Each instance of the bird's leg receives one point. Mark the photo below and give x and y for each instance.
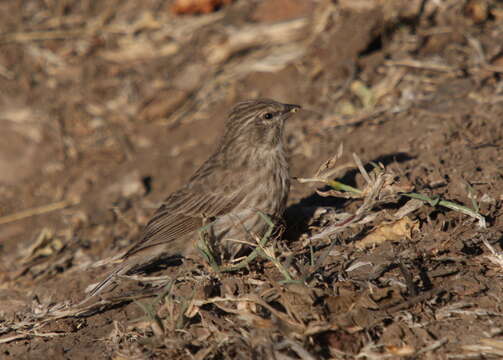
(258, 249)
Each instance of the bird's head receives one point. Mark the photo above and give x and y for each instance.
(258, 121)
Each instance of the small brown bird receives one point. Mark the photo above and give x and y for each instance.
(247, 174)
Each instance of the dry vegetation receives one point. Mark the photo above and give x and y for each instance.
(391, 248)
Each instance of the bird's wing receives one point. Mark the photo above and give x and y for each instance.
(184, 212)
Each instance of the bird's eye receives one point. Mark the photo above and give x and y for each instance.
(268, 116)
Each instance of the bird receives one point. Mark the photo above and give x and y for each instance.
(246, 176)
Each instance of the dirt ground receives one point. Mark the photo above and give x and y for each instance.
(107, 107)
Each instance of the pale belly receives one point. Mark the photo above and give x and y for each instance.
(251, 219)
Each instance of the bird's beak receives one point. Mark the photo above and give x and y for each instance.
(289, 108)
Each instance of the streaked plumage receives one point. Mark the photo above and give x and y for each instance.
(247, 173)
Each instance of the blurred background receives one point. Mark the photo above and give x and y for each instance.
(108, 106)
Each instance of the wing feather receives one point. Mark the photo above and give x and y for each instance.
(183, 213)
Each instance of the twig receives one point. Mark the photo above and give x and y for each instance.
(336, 185)
(495, 257)
(493, 68)
(253, 298)
(345, 121)
(421, 65)
(360, 166)
(375, 186)
(433, 346)
(29, 335)
(37, 211)
(297, 348)
(253, 36)
(44, 35)
(61, 311)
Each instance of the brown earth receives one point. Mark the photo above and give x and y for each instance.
(107, 107)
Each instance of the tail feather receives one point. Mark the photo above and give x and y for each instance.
(132, 264)
(122, 269)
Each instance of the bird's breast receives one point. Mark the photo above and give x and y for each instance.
(268, 186)
(265, 185)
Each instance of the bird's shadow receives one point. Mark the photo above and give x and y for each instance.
(298, 215)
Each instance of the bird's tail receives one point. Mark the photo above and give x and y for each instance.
(121, 269)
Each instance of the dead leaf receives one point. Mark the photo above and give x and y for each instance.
(395, 231)
(476, 10)
(192, 310)
(140, 48)
(327, 169)
(405, 350)
(409, 207)
(364, 93)
(181, 7)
